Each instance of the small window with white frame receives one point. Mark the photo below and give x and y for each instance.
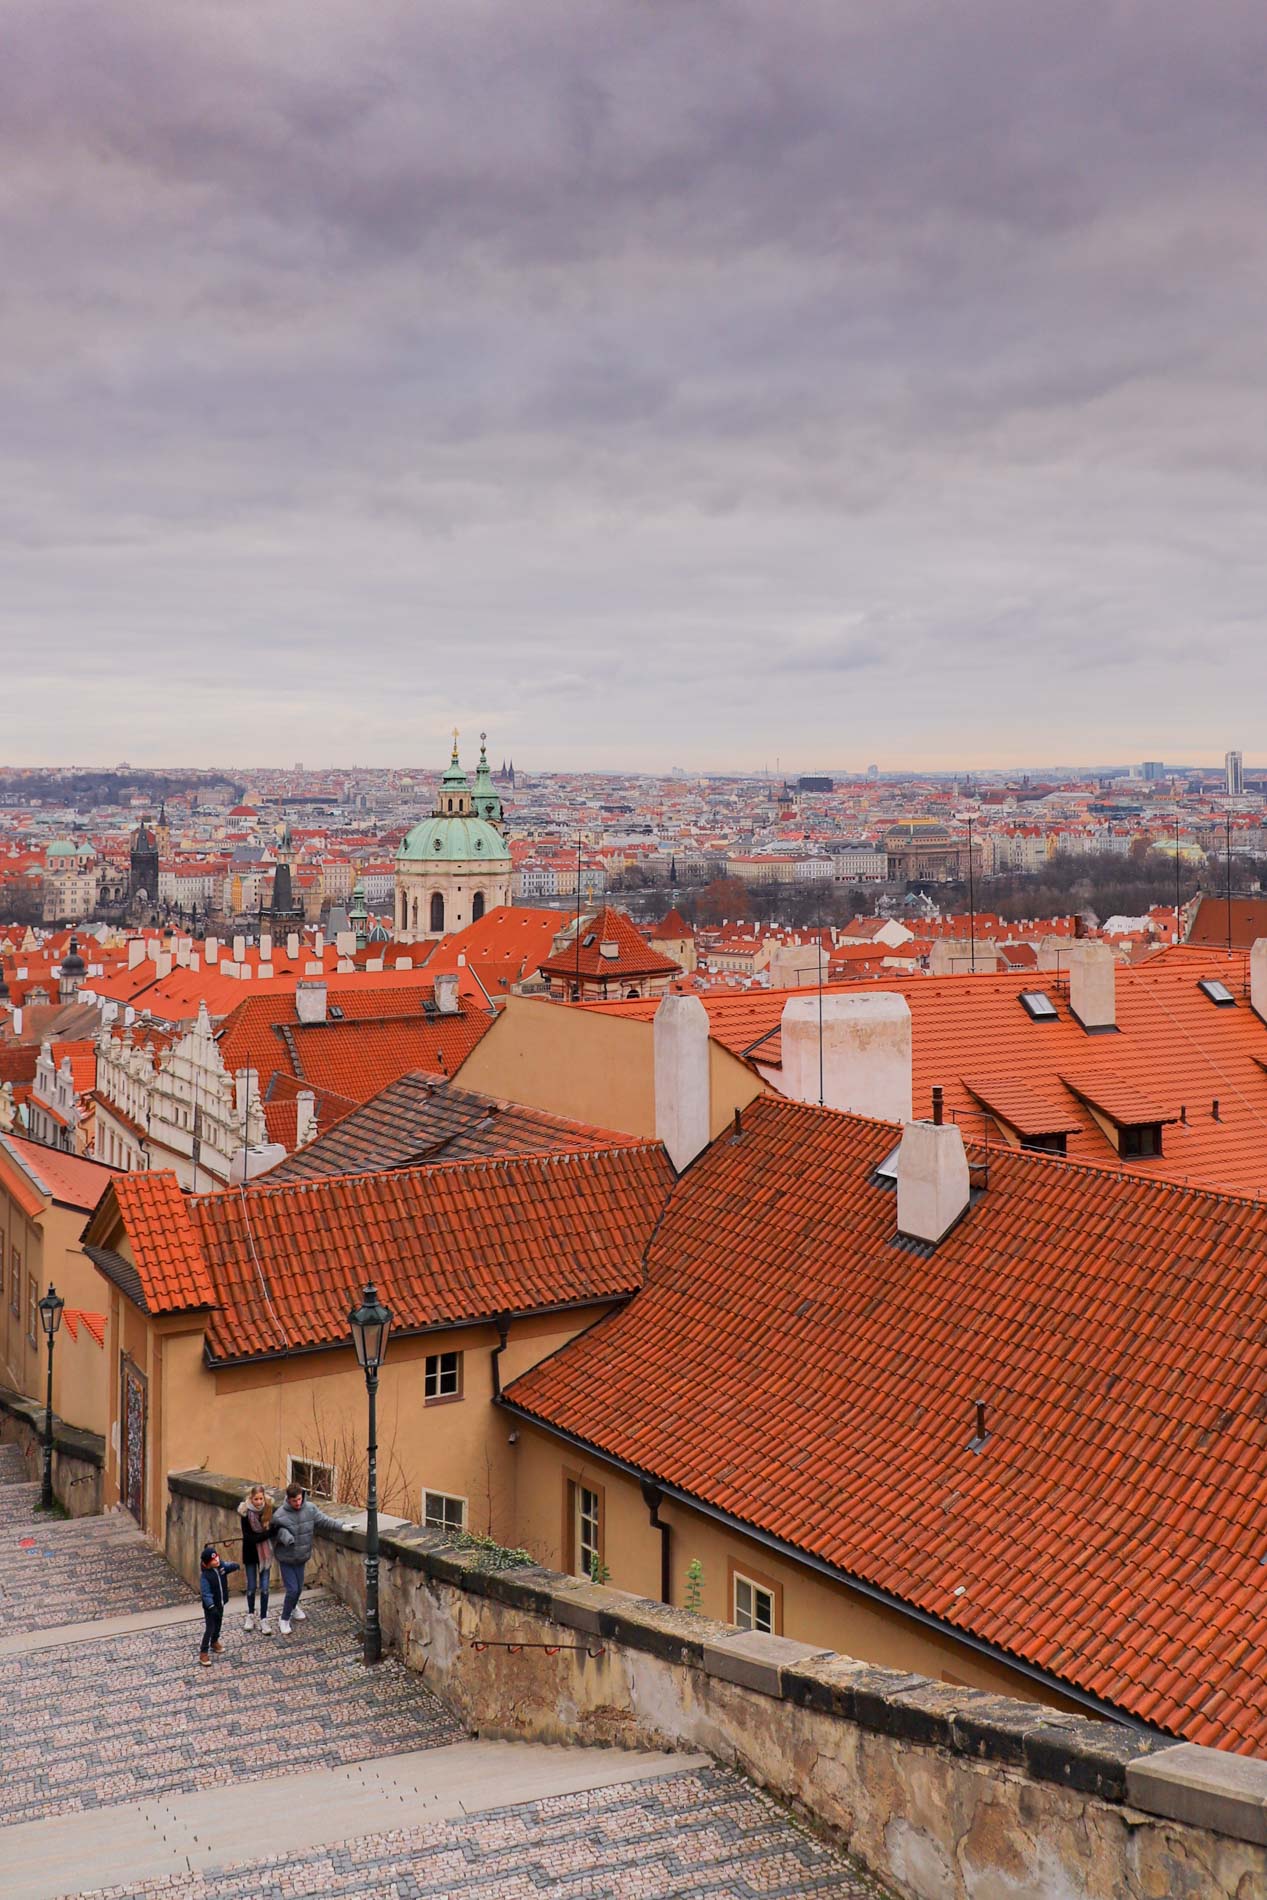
(441, 1512)
(442, 1377)
(754, 1605)
(316, 1478)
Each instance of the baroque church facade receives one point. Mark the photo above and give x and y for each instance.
(455, 865)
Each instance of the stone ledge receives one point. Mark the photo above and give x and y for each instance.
(1206, 1787)
(754, 1660)
(71, 1440)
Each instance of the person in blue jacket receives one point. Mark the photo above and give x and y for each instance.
(214, 1584)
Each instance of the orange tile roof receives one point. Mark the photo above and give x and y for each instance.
(70, 1180)
(789, 1364)
(634, 957)
(165, 1247)
(447, 1243)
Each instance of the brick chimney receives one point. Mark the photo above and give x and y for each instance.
(1092, 985)
(310, 1002)
(866, 1053)
(681, 1078)
(932, 1180)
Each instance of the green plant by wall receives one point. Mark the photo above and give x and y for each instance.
(599, 1573)
(489, 1554)
(694, 1585)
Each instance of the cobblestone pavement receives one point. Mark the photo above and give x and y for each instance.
(699, 1833)
(134, 1716)
(55, 1571)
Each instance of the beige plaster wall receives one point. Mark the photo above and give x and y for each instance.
(48, 1249)
(591, 1067)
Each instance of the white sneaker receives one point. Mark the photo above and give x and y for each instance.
(248, 1622)
(266, 1628)
(284, 1627)
(298, 1616)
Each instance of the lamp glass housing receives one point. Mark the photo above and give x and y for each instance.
(371, 1323)
(51, 1311)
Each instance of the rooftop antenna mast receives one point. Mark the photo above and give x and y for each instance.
(1229, 880)
(1177, 877)
(972, 905)
(577, 997)
(818, 913)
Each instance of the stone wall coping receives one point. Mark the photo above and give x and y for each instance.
(72, 1440)
(1175, 1780)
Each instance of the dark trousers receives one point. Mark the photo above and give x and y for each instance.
(213, 1619)
(258, 1573)
(293, 1579)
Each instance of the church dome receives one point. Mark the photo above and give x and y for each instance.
(453, 840)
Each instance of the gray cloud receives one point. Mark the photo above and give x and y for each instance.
(654, 382)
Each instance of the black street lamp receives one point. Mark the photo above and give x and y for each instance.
(371, 1323)
(50, 1319)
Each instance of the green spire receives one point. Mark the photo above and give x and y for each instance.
(487, 799)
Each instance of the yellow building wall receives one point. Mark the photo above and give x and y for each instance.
(591, 1067)
(47, 1249)
(810, 1608)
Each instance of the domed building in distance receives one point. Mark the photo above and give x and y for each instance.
(455, 865)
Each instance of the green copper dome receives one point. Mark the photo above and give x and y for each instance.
(456, 840)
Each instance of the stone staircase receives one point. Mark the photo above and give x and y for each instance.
(125, 1769)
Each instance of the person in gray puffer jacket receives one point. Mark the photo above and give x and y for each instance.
(294, 1525)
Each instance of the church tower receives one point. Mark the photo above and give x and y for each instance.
(455, 865)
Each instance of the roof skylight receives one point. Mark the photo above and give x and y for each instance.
(886, 1170)
(1039, 1005)
(1218, 993)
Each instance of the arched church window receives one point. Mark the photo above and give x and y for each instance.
(477, 907)
(437, 911)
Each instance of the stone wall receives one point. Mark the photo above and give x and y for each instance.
(945, 1793)
(78, 1456)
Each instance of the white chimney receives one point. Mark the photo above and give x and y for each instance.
(345, 943)
(266, 946)
(866, 1053)
(239, 949)
(211, 951)
(446, 992)
(310, 1002)
(292, 945)
(932, 1180)
(305, 1118)
(152, 949)
(136, 952)
(1258, 977)
(163, 965)
(681, 1078)
(1092, 975)
(248, 1164)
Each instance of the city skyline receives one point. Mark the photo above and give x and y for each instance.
(650, 389)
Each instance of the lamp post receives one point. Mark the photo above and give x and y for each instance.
(50, 1319)
(371, 1322)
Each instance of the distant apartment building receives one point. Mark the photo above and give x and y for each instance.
(1234, 774)
(859, 864)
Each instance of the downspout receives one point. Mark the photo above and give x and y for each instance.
(653, 1498)
(502, 1322)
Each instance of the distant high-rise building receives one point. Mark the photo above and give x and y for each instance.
(873, 771)
(1153, 770)
(1235, 774)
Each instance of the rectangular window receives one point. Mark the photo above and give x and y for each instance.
(587, 1530)
(1143, 1139)
(754, 1605)
(440, 1512)
(15, 1290)
(314, 1477)
(32, 1310)
(443, 1377)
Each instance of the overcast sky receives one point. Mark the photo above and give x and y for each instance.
(684, 382)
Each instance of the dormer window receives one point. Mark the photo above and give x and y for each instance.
(1139, 1140)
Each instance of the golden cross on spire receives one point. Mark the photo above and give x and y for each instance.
(455, 745)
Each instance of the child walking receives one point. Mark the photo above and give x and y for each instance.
(214, 1583)
(256, 1513)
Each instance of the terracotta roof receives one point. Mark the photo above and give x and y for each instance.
(453, 1242)
(791, 1365)
(70, 1180)
(1117, 1098)
(1026, 1109)
(1209, 925)
(423, 1118)
(634, 955)
(168, 1258)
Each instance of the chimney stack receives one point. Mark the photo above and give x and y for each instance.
(681, 1078)
(136, 952)
(211, 952)
(1092, 985)
(292, 945)
(310, 1002)
(446, 992)
(1258, 978)
(932, 1180)
(865, 1053)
